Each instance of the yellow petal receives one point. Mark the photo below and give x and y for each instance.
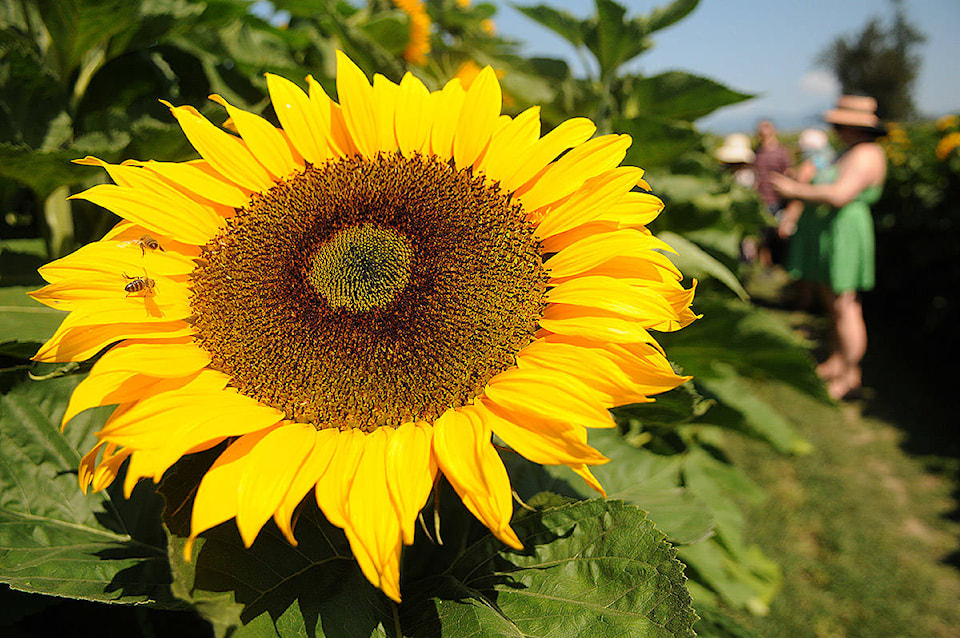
(201, 183)
(108, 469)
(357, 101)
(190, 416)
(225, 152)
(589, 478)
(72, 342)
(271, 467)
(114, 257)
(334, 486)
(477, 119)
(643, 304)
(595, 196)
(314, 466)
(169, 358)
(410, 471)
(549, 393)
(87, 466)
(108, 388)
(217, 496)
(373, 527)
(569, 173)
(300, 118)
(129, 234)
(595, 325)
(652, 268)
(263, 140)
(413, 117)
(190, 224)
(592, 251)
(385, 95)
(447, 104)
(567, 135)
(332, 120)
(461, 443)
(543, 441)
(509, 143)
(595, 366)
(635, 208)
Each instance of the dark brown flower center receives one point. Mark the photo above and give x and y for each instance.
(369, 292)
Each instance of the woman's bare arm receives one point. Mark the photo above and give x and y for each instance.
(863, 166)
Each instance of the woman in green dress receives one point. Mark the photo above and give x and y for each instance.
(834, 245)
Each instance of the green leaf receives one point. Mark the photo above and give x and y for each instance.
(657, 140)
(389, 30)
(55, 539)
(594, 568)
(682, 96)
(613, 40)
(745, 411)
(750, 581)
(23, 319)
(634, 474)
(564, 24)
(663, 17)
(755, 343)
(695, 262)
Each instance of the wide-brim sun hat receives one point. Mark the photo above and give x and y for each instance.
(735, 150)
(858, 111)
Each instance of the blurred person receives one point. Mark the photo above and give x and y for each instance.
(737, 157)
(841, 260)
(802, 234)
(772, 158)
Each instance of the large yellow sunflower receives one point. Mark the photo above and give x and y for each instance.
(357, 301)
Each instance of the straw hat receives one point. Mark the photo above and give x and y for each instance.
(858, 111)
(735, 150)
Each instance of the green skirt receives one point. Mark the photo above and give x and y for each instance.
(836, 247)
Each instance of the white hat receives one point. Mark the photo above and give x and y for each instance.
(813, 139)
(735, 150)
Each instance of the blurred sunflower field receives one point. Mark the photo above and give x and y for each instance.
(918, 227)
(662, 555)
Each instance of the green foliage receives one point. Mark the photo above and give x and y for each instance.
(917, 223)
(56, 540)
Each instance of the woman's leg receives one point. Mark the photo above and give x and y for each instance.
(851, 343)
(834, 364)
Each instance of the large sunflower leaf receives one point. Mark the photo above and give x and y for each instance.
(54, 539)
(592, 568)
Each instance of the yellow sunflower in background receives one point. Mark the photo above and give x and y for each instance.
(357, 301)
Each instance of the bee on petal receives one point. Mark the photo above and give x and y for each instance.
(143, 284)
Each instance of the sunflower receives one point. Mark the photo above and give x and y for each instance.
(418, 45)
(355, 303)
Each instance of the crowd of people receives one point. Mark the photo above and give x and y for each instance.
(823, 233)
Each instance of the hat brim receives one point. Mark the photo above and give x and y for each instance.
(856, 119)
(735, 155)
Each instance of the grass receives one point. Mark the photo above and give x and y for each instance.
(866, 527)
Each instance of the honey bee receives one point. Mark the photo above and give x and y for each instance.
(145, 241)
(139, 284)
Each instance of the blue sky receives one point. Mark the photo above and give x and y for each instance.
(768, 48)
